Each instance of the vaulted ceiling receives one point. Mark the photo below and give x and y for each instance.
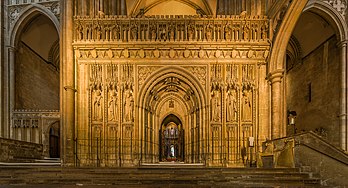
(166, 7)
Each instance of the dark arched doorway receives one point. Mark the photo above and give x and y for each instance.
(171, 139)
(54, 141)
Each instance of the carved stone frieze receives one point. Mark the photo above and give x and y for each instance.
(259, 53)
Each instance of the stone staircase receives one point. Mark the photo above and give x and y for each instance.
(151, 176)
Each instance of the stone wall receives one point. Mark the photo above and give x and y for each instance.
(313, 88)
(19, 151)
(37, 83)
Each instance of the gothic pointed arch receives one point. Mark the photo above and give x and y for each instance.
(29, 13)
(331, 15)
(171, 91)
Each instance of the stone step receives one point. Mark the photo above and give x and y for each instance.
(156, 176)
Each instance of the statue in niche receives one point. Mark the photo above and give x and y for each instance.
(215, 103)
(171, 33)
(190, 32)
(98, 29)
(228, 30)
(89, 32)
(232, 106)
(128, 106)
(264, 30)
(134, 32)
(163, 34)
(209, 32)
(247, 106)
(246, 30)
(116, 32)
(153, 33)
(113, 106)
(79, 30)
(97, 106)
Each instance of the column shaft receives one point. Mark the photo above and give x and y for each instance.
(343, 105)
(276, 105)
(69, 87)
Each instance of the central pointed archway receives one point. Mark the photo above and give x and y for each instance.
(172, 141)
(172, 99)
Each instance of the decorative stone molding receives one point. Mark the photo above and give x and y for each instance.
(259, 53)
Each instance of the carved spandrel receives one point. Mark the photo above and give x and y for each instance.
(200, 73)
(144, 72)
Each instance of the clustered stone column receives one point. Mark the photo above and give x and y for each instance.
(277, 126)
(68, 108)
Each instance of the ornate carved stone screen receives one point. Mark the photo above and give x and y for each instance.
(131, 73)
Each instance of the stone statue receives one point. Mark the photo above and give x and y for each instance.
(228, 30)
(246, 30)
(128, 106)
(113, 106)
(215, 103)
(232, 106)
(190, 32)
(97, 106)
(79, 31)
(98, 32)
(134, 32)
(153, 33)
(209, 32)
(116, 32)
(247, 106)
(264, 31)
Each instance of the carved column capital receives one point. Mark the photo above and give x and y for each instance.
(276, 76)
(342, 44)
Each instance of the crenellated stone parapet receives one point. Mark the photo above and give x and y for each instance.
(104, 28)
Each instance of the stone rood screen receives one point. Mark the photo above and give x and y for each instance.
(134, 73)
